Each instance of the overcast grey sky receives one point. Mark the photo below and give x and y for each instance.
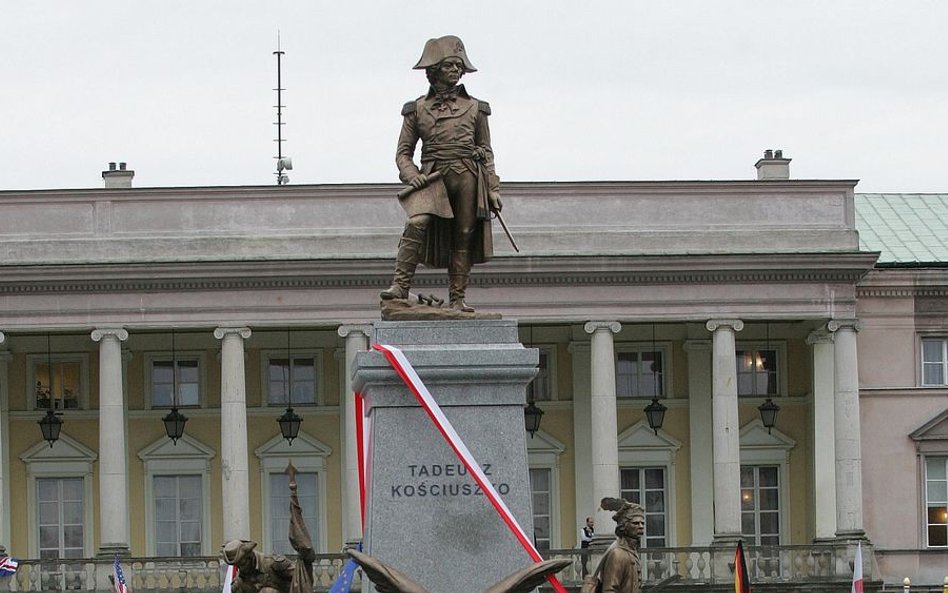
(591, 90)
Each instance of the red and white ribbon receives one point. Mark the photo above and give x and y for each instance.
(404, 369)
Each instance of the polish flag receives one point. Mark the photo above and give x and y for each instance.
(857, 570)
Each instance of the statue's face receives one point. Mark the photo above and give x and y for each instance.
(449, 71)
(638, 526)
(633, 526)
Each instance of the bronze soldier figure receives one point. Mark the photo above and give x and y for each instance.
(275, 573)
(620, 570)
(448, 228)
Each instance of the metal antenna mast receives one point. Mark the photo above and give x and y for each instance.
(283, 164)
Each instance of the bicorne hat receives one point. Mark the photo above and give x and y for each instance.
(436, 50)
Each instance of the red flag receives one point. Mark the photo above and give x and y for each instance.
(741, 581)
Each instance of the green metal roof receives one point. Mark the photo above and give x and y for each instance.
(909, 229)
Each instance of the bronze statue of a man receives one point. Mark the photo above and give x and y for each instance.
(449, 228)
(620, 569)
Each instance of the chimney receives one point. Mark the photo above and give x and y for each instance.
(120, 178)
(773, 166)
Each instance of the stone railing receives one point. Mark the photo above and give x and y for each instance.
(815, 563)
(196, 575)
(800, 564)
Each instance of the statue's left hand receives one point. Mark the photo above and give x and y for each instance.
(496, 204)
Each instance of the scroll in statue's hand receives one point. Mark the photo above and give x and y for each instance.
(418, 181)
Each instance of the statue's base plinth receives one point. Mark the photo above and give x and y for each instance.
(425, 515)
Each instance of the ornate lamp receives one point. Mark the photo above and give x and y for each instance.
(655, 411)
(290, 424)
(655, 414)
(290, 421)
(175, 420)
(768, 413)
(768, 410)
(50, 424)
(531, 418)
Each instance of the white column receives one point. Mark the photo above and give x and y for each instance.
(5, 513)
(823, 499)
(113, 448)
(603, 423)
(726, 430)
(357, 340)
(846, 421)
(700, 451)
(234, 465)
(586, 504)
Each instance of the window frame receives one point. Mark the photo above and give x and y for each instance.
(549, 350)
(925, 500)
(781, 504)
(315, 353)
(778, 346)
(922, 338)
(545, 452)
(762, 447)
(153, 503)
(641, 469)
(308, 456)
(665, 347)
(189, 457)
(640, 447)
(69, 459)
(34, 360)
(180, 355)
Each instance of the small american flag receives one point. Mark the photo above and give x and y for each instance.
(118, 577)
(8, 566)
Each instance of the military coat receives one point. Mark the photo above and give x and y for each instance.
(455, 138)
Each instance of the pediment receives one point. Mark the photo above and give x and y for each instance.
(303, 445)
(935, 429)
(544, 442)
(640, 436)
(187, 447)
(65, 449)
(754, 435)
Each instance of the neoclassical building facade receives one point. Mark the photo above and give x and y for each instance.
(228, 304)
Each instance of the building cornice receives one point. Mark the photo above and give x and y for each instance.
(846, 268)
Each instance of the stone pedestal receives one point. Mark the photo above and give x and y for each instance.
(425, 515)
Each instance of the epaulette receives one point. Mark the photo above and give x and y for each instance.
(409, 108)
(483, 107)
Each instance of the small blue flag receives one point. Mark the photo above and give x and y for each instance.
(344, 580)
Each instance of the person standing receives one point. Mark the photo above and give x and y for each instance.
(452, 233)
(586, 538)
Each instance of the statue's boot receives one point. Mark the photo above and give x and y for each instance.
(459, 273)
(406, 261)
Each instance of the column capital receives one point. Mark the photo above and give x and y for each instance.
(3, 338)
(594, 326)
(819, 336)
(837, 324)
(735, 324)
(243, 332)
(346, 329)
(697, 345)
(118, 333)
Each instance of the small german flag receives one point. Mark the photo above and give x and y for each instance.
(741, 581)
